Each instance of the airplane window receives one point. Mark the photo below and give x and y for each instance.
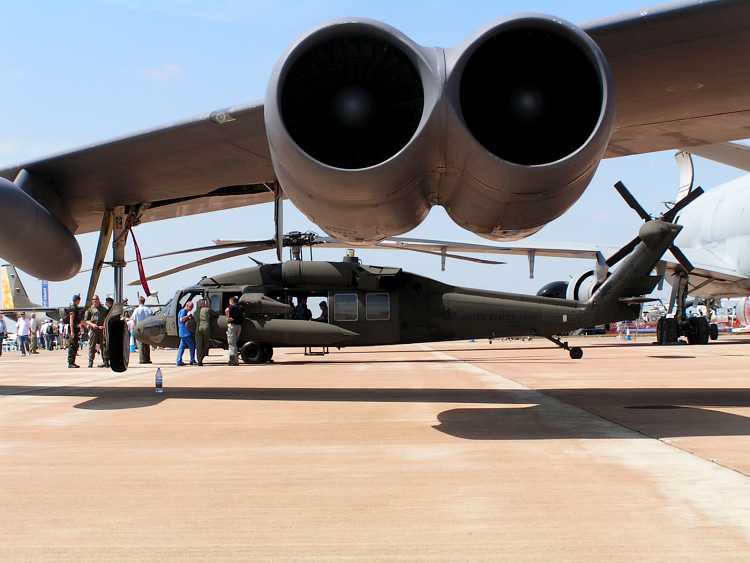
(378, 306)
(345, 306)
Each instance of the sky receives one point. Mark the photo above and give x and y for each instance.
(78, 72)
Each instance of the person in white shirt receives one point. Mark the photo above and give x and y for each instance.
(140, 313)
(23, 329)
(3, 332)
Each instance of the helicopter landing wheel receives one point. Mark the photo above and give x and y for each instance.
(576, 353)
(252, 353)
(118, 343)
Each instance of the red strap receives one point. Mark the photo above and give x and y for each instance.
(139, 261)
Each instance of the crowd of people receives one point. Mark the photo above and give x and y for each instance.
(78, 329)
(33, 333)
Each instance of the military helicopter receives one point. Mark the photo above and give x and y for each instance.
(375, 305)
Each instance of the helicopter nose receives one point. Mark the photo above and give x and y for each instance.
(151, 330)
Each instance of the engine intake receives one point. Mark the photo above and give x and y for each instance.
(531, 94)
(351, 99)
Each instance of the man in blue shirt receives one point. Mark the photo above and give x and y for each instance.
(184, 317)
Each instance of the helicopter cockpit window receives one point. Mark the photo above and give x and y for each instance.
(345, 307)
(378, 307)
(216, 303)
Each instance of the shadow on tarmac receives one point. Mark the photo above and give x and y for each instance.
(619, 413)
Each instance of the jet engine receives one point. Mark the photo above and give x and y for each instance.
(347, 116)
(582, 286)
(531, 111)
(34, 239)
(367, 130)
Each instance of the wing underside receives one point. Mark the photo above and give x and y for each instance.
(681, 76)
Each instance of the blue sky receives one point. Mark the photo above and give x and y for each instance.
(78, 72)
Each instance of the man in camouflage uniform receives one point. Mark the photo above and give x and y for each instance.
(75, 317)
(94, 321)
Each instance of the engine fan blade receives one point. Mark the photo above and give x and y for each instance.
(631, 201)
(256, 247)
(681, 258)
(682, 204)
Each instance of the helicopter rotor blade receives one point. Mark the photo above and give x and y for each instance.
(248, 249)
(623, 252)
(681, 258)
(682, 204)
(631, 201)
(448, 255)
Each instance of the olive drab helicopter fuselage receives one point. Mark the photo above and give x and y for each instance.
(370, 305)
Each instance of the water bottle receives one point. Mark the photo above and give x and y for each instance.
(159, 381)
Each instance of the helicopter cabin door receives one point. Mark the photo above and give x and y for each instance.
(371, 314)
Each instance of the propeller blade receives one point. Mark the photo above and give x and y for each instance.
(256, 247)
(682, 204)
(631, 201)
(623, 252)
(681, 258)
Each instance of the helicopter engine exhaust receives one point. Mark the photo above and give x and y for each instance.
(368, 129)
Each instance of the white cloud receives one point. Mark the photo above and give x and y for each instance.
(165, 73)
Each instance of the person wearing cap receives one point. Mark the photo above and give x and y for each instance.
(75, 318)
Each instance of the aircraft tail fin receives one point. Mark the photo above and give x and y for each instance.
(633, 278)
(12, 292)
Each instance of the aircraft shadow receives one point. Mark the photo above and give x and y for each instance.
(661, 412)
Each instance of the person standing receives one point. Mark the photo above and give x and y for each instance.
(3, 332)
(23, 329)
(141, 313)
(235, 316)
(203, 332)
(184, 320)
(33, 334)
(75, 319)
(94, 321)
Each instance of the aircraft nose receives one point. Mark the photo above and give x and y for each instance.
(151, 330)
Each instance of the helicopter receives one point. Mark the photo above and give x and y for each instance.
(376, 305)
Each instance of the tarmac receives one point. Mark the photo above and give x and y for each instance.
(462, 451)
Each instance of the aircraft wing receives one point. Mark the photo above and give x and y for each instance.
(714, 282)
(681, 75)
(731, 154)
(214, 162)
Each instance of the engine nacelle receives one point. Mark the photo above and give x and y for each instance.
(367, 129)
(556, 290)
(531, 111)
(347, 115)
(582, 287)
(35, 240)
